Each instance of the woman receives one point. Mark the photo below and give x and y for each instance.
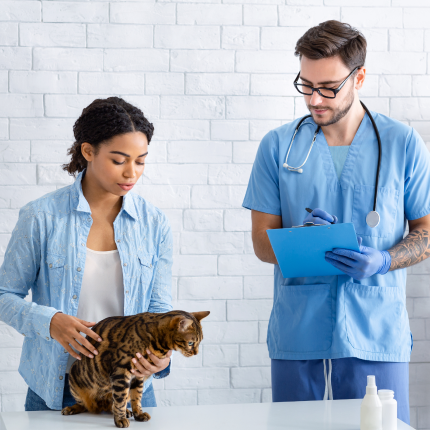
(87, 251)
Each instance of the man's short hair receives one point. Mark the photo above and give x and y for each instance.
(332, 38)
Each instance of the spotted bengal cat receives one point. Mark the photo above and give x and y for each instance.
(105, 383)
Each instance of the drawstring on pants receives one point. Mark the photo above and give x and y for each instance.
(328, 392)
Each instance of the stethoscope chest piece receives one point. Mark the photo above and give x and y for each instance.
(372, 219)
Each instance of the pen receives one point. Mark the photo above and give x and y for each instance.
(310, 211)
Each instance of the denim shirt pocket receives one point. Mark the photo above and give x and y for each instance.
(55, 264)
(147, 263)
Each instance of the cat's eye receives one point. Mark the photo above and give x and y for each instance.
(190, 343)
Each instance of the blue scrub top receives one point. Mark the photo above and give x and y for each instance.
(338, 316)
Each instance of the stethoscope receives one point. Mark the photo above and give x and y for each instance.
(372, 218)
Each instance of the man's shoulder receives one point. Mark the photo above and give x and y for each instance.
(290, 127)
(386, 124)
(279, 134)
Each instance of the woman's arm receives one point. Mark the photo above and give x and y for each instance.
(161, 301)
(161, 298)
(18, 273)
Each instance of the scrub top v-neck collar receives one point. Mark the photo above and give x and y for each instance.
(350, 162)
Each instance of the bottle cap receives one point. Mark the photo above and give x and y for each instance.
(371, 385)
(371, 381)
(386, 393)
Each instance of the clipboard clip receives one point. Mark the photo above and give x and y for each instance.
(307, 224)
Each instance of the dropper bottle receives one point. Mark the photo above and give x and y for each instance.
(371, 407)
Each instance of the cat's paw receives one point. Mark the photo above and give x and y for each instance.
(73, 410)
(128, 413)
(143, 416)
(122, 422)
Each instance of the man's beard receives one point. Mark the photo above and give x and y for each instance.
(338, 114)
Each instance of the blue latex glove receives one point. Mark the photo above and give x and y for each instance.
(318, 216)
(360, 265)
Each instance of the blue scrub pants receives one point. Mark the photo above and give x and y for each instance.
(300, 380)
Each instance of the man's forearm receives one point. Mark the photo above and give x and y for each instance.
(262, 247)
(413, 249)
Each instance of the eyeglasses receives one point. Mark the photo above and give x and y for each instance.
(328, 93)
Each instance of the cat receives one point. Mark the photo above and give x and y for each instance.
(105, 382)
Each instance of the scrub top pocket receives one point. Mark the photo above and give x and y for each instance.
(386, 207)
(303, 318)
(376, 318)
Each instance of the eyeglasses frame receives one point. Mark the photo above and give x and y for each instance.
(335, 90)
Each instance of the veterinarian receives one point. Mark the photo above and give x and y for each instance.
(87, 251)
(327, 333)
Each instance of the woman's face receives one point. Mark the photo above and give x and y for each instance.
(119, 163)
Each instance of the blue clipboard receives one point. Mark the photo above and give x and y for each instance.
(301, 251)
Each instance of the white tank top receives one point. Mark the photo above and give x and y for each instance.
(102, 291)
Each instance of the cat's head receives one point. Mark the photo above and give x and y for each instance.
(187, 332)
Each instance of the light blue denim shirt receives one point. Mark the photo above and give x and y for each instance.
(46, 254)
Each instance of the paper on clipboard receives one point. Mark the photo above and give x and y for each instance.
(301, 251)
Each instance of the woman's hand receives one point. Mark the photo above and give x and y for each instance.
(66, 329)
(145, 368)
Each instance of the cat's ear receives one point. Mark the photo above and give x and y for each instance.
(200, 315)
(181, 323)
(184, 324)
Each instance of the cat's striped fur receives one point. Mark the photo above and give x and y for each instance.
(105, 382)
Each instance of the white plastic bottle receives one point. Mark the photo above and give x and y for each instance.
(371, 407)
(389, 409)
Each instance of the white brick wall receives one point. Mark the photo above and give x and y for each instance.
(214, 76)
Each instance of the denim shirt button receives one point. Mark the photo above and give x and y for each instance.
(61, 378)
(78, 269)
(75, 296)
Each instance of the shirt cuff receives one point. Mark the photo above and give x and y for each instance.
(165, 372)
(42, 323)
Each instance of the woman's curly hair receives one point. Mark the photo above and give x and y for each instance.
(99, 122)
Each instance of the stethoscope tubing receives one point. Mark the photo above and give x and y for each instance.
(300, 170)
(378, 137)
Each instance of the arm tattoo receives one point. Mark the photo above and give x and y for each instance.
(413, 249)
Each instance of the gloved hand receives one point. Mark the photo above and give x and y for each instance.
(318, 216)
(360, 265)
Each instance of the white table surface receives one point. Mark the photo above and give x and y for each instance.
(319, 415)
